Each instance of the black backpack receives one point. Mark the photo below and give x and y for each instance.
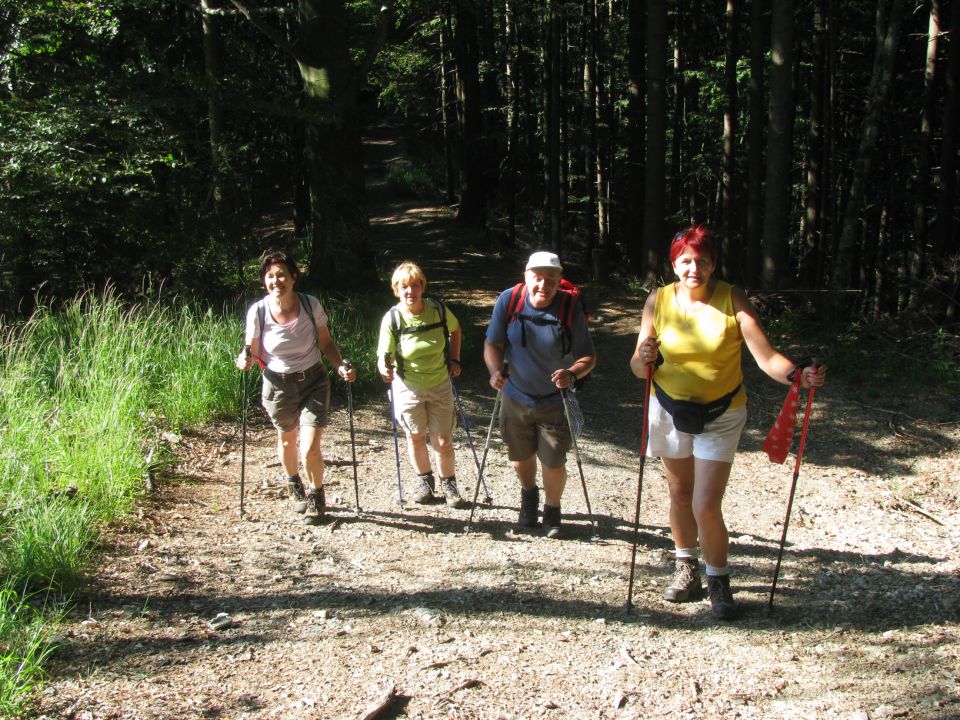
(397, 328)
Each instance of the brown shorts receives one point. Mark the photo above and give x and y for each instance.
(535, 429)
(296, 399)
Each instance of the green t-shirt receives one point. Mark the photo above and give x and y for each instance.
(424, 365)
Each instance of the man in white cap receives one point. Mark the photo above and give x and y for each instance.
(537, 344)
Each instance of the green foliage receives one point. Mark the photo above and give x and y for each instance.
(411, 181)
(876, 357)
(25, 642)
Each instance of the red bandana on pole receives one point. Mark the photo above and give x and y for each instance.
(780, 437)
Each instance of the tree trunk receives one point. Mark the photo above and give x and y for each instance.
(636, 131)
(946, 241)
(590, 112)
(654, 199)
(552, 64)
(473, 190)
(755, 167)
(812, 231)
(733, 248)
(448, 122)
(223, 206)
(339, 254)
(888, 31)
(512, 74)
(779, 146)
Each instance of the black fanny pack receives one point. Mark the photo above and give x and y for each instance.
(690, 417)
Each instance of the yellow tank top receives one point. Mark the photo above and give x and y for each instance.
(701, 351)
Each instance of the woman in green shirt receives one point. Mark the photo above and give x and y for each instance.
(418, 353)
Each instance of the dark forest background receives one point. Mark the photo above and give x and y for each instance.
(145, 142)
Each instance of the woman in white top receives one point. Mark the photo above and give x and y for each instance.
(286, 332)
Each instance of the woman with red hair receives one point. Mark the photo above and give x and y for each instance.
(692, 332)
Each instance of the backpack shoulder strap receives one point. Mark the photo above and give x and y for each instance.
(442, 312)
(517, 297)
(305, 304)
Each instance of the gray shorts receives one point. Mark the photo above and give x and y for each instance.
(296, 399)
(535, 429)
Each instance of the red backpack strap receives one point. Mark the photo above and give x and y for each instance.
(517, 297)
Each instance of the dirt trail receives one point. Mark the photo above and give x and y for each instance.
(498, 623)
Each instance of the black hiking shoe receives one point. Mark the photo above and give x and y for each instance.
(451, 494)
(551, 521)
(685, 584)
(424, 494)
(316, 506)
(721, 599)
(298, 498)
(529, 506)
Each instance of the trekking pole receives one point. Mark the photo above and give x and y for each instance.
(576, 452)
(466, 427)
(353, 437)
(396, 443)
(243, 434)
(793, 489)
(636, 512)
(483, 462)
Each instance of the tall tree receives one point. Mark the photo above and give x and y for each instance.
(654, 196)
(733, 260)
(755, 167)
(776, 218)
(946, 241)
(889, 22)
(636, 132)
(466, 43)
(339, 253)
(918, 254)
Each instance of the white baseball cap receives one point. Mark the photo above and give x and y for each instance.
(544, 259)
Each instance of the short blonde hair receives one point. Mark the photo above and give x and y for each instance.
(407, 273)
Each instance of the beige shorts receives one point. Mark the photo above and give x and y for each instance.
(419, 411)
(535, 429)
(718, 441)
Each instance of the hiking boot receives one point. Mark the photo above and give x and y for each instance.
(424, 494)
(451, 494)
(298, 498)
(316, 506)
(529, 505)
(721, 599)
(685, 584)
(551, 521)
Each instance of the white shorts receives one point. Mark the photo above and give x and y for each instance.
(718, 441)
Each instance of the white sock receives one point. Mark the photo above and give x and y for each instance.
(715, 571)
(686, 553)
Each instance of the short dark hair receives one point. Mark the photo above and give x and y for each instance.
(697, 238)
(278, 257)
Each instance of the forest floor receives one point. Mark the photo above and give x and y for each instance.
(498, 623)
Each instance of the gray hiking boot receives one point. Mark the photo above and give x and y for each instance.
(316, 506)
(451, 494)
(685, 584)
(722, 604)
(424, 493)
(551, 521)
(529, 507)
(298, 498)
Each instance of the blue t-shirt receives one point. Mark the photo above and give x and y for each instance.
(533, 362)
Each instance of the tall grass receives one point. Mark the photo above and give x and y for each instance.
(80, 392)
(83, 391)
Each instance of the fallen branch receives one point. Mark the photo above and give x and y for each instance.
(382, 703)
(916, 507)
